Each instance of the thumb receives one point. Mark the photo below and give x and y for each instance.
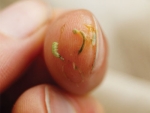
(47, 99)
(22, 29)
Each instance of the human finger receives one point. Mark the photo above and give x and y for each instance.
(22, 30)
(48, 99)
(75, 51)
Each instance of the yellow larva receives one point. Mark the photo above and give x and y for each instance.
(91, 29)
(55, 50)
(94, 39)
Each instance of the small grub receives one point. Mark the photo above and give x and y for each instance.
(55, 50)
(93, 38)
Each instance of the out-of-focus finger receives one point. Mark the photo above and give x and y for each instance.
(22, 30)
(47, 99)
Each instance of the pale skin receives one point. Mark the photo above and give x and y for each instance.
(26, 85)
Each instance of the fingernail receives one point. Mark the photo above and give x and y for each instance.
(57, 102)
(100, 49)
(23, 18)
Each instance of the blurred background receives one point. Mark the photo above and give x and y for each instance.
(126, 24)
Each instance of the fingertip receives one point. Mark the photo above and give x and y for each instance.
(23, 18)
(48, 99)
(75, 51)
